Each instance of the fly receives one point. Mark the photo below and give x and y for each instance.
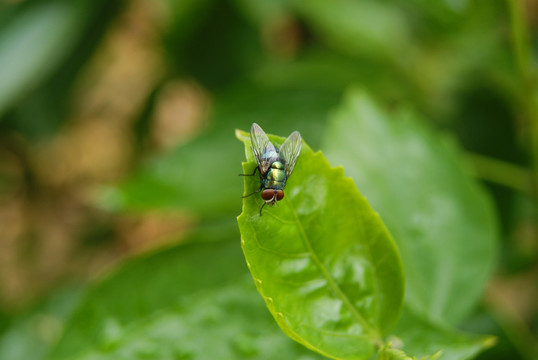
(274, 164)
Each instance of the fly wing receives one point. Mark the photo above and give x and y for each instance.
(290, 150)
(263, 149)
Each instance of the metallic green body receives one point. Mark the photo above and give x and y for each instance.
(275, 177)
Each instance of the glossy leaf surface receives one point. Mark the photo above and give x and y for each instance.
(226, 322)
(441, 219)
(322, 259)
(193, 301)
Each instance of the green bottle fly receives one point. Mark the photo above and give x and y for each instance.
(275, 165)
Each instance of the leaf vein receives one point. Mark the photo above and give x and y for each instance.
(334, 286)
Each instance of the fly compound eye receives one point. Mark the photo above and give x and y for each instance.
(268, 194)
(279, 195)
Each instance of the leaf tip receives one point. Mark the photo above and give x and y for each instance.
(242, 135)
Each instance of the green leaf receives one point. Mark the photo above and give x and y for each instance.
(441, 219)
(34, 44)
(365, 28)
(424, 339)
(225, 322)
(123, 297)
(33, 334)
(322, 259)
(192, 301)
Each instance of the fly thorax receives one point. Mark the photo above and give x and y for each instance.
(276, 176)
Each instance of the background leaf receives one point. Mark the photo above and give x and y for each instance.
(199, 304)
(348, 27)
(441, 219)
(323, 261)
(38, 330)
(224, 322)
(47, 31)
(421, 338)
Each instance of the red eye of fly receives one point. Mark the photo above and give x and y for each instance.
(268, 194)
(279, 195)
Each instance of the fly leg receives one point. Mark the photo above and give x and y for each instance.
(254, 172)
(252, 193)
(257, 191)
(264, 203)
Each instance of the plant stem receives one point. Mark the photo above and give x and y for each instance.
(501, 172)
(527, 73)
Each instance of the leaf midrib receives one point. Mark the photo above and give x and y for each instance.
(334, 286)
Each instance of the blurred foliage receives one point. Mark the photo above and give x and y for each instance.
(116, 138)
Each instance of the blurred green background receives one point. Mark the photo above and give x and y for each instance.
(117, 129)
